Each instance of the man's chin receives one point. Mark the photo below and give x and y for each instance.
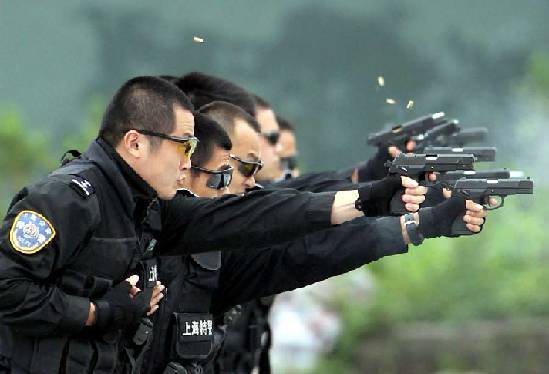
(167, 195)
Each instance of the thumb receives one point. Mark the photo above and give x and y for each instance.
(133, 280)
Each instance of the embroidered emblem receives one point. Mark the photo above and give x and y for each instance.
(30, 232)
(82, 186)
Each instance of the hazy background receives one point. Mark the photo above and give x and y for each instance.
(317, 62)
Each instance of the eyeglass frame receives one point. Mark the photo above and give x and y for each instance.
(228, 171)
(259, 165)
(177, 139)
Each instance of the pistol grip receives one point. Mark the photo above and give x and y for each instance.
(459, 228)
(398, 207)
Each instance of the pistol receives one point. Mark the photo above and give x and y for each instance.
(449, 179)
(480, 191)
(416, 165)
(481, 153)
(400, 134)
(467, 136)
(436, 135)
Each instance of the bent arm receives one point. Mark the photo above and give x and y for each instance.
(31, 302)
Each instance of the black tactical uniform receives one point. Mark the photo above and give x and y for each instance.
(68, 238)
(201, 288)
(249, 339)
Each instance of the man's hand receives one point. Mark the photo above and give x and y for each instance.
(438, 220)
(124, 304)
(157, 295)
(414, 194)
(475, 215)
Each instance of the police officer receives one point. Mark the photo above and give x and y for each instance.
(69, 241)
(188, 328)
(244, 347)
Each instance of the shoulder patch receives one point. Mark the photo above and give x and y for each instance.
(82, 186)
(30, 232)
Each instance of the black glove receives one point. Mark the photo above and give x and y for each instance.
(374, 169)
(375, 197)
(117, 309)
(437, 221)
(434, 196)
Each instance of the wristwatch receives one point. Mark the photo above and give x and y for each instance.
(416, 238)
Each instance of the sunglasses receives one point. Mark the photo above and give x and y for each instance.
(186, 146)
(272, 137)
(218, 179)
(288, 163)
(248, 168)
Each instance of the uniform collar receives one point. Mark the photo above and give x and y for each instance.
(134, 192)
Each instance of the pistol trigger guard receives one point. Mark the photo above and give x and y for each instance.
(487, 206)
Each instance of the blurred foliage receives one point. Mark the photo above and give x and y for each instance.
(26, 155)
(23, 153)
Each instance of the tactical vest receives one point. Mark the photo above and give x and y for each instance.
(185, 336)
(115, 247)
(248, 341)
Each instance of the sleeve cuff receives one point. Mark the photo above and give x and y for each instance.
(76, 315)
(390, 241)
(319, 212)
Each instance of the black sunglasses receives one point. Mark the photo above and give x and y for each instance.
(218, 179)
(288, 163)
(188, 143)
(272, 137)
(248, 167)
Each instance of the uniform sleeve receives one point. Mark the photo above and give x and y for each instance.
(318, 256)
(39, 235)
(318, 182)
(258, 219)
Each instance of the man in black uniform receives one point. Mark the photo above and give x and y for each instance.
(190, 324)
(244, 338)
(68, 242)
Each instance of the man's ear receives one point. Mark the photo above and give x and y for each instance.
(133, 143)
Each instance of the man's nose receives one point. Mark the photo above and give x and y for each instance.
(249, 182)
(278, 148)
(185, 163)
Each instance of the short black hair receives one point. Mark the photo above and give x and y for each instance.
(142, 103)
(203, 89)
(210, 134)
(169, 78)
(284, 124)
(226, 114)
(261, 102)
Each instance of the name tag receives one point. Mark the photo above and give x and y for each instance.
(194, 335)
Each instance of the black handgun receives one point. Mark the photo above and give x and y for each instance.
(435, 136)
(449, 179)
(481, 153)
(480, 191)
(466, 136)
(416, 165)
(400, 134)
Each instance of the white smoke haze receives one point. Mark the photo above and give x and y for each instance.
(527, 140)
